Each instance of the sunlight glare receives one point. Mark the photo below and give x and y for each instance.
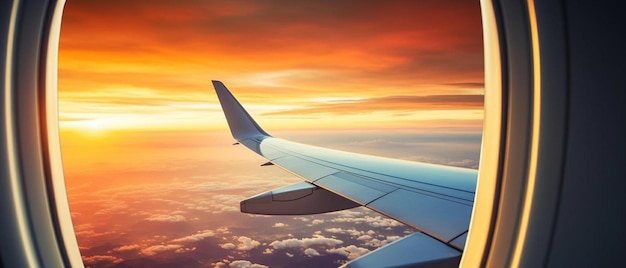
(95, 124)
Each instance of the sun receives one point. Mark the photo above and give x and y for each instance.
(94, 125)
(91, 128)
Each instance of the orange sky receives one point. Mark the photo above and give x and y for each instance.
(323, 64)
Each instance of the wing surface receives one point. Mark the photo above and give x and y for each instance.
(436, 200)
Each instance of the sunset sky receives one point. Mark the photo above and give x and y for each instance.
(315, 64)
(151, 175)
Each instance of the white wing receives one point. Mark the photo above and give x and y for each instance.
(436, 200)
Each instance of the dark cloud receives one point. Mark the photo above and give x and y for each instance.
(100, 259)
(180, 43)
(272, 23)
(467, 85)
(392, 103)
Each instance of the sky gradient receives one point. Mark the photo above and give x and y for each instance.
(323, 64)
(151, 175)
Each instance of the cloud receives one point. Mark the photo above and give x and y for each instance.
(352, 232)
(305, 242)
(351, 251)
(92, 233)
(392, 238)
(334, 230)
(178, 212)
(377, 221)
(466, 163)
(183, 250)
(112, 206)
(83, 227)
(348, 213)
(200, 235)
(127, 247)
(246, 243)
(93, 260)
(223, 230)
(166, 218)
(153, 250)
(289, 254)
(364, 237)
(391, 103)
(279, 225)
(374, 242)
(229, 199)
(227, 246)
(220, 264)
(245, 264)
(309, 252)
(304, 219)
(237, 264)
(316, 222)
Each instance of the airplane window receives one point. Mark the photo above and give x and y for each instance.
(152, 176)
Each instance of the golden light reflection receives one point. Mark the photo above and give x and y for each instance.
(480, 226)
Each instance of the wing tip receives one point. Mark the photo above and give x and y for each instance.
(241, 124)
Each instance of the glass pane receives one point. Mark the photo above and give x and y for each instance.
(151, 175)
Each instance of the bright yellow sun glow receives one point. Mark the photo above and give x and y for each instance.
(95, 125)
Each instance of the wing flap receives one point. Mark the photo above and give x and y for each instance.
(301, 198)
(440, 218)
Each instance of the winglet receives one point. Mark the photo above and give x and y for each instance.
(241, 124)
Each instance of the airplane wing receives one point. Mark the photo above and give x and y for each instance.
(436, 200)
